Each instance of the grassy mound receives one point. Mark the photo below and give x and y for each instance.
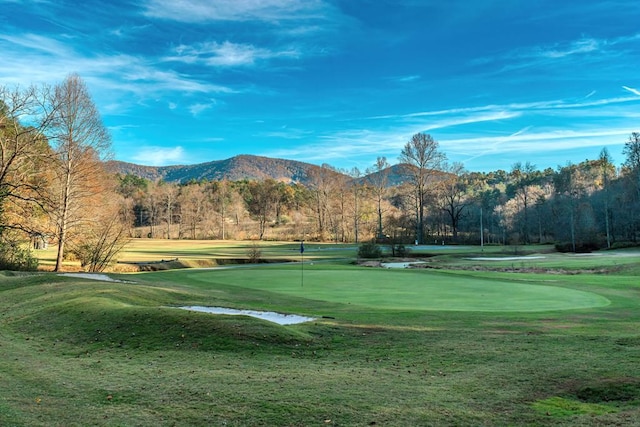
(93, 315)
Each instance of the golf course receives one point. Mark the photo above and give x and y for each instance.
(447, 336)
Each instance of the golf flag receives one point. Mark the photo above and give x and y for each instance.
(301, 262)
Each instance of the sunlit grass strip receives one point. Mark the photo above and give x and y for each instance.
(563, 407)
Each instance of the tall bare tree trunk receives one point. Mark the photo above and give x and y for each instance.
(64, 215)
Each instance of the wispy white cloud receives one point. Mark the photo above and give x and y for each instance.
(213, 139)
(520, 132)
(585, 49)
(226, 54)
(127, 32)
(407, 79)
(286, 132)
(121, 128)
(451, 128)
(160, 156)
(197, 109)
(585, 45)
(233, 10)
(29, 59)
(526, 143)
(26, 1)
(632, 90)
(363, 141)
(516, 108)
(35, 43)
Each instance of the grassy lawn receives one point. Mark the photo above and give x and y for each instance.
(450, 346)
(208, 253)
(399, 290)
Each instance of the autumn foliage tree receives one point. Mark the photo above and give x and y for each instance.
(25, 117)
(81, 143)
(24, 151)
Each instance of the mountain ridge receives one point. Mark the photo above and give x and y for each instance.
(235, 168)
(238, 168)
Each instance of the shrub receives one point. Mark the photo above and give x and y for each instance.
(369, 250)
(582, 247)
(15, 257)
(400, 250)
(99, 245)
(624, 244)
(254, 253)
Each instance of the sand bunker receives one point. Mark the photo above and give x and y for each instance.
(510, 258)
(93, 276)
(279, 318)
(400, 264)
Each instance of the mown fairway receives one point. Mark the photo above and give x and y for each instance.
(395, 347)
(400, 290)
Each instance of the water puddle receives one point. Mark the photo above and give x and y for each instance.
(271, 316)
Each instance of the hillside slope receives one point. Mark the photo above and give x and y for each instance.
(246, 167)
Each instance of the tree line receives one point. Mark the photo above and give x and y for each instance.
(584, 206)
(55, 188)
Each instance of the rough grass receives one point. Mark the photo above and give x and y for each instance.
(77, 352)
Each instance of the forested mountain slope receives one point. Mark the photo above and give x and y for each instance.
(234, 169)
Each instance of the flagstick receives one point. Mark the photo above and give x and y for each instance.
(302, 263)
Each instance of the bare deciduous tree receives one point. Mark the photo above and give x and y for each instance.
(379, 180)
(422, 154)
(522, 176)
(451, 195)
(607, 171)
(80, 143)
(194, 207)
(323, 185)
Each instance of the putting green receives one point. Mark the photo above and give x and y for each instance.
(403, 289)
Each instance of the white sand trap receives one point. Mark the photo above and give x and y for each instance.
(279, 318)
(510, 258)
(400, 264)
(93, 276)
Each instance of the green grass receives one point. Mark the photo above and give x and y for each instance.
(563, 407)
(397, 348)
(400, 290)
(203, 253)
(544, 258)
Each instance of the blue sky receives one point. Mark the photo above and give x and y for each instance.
(341, 82)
